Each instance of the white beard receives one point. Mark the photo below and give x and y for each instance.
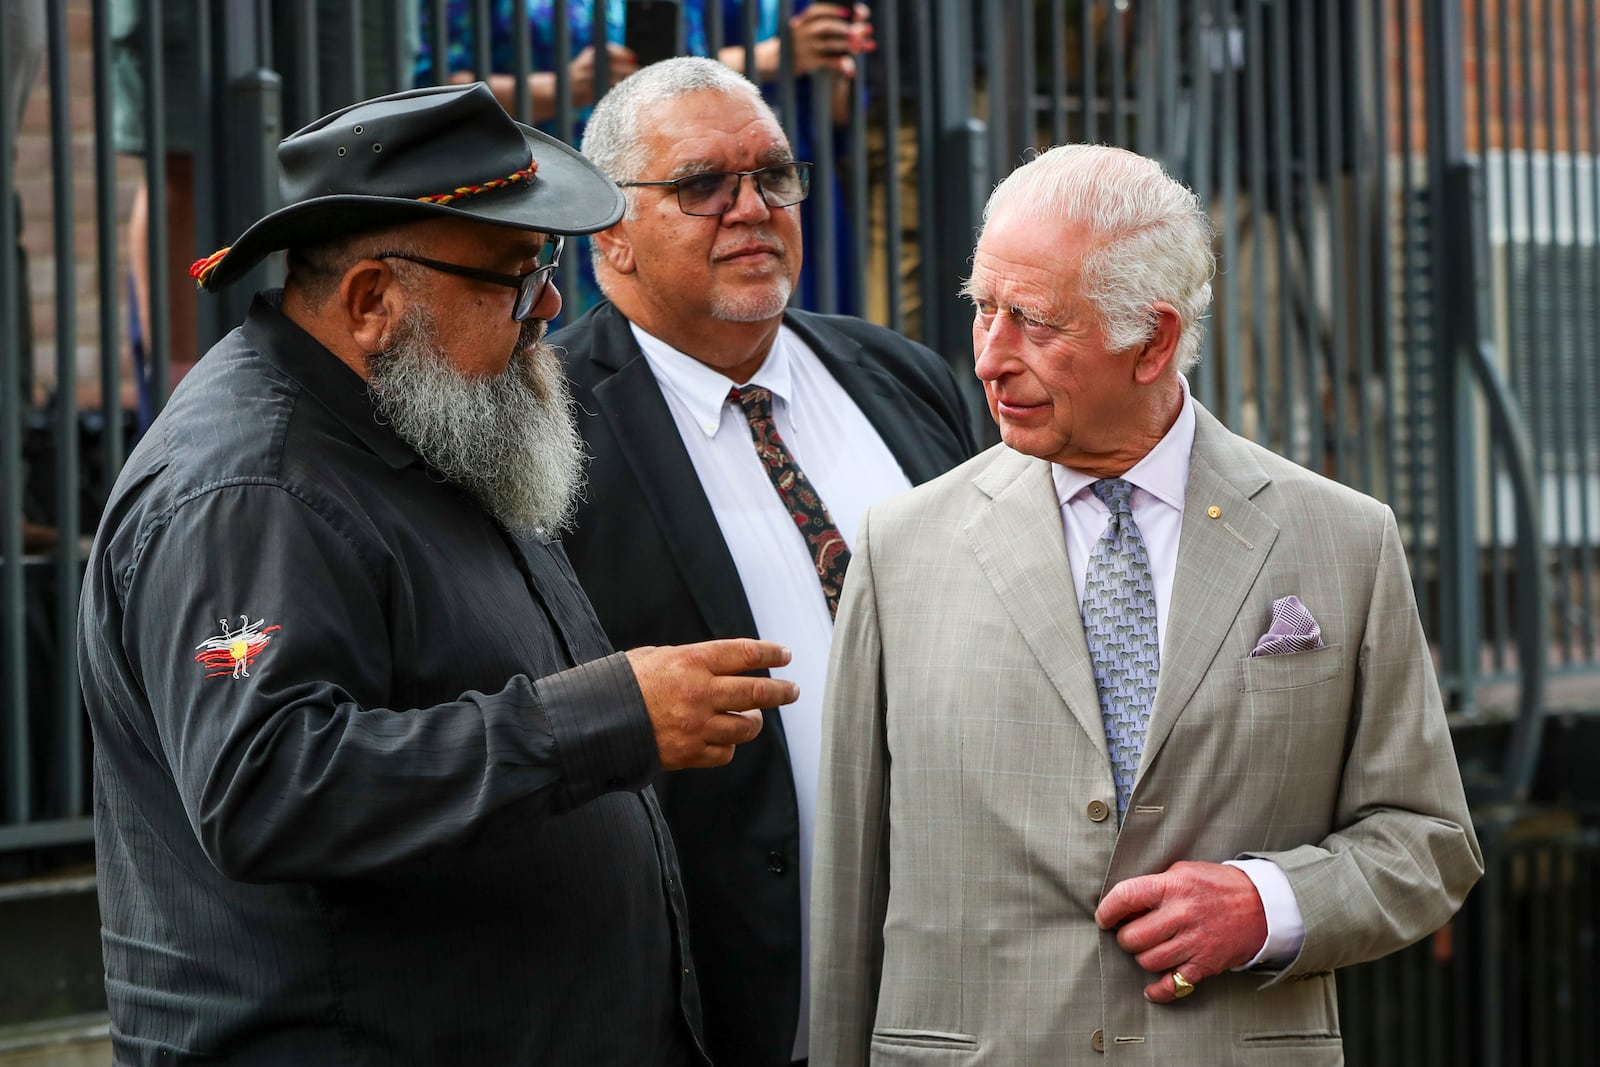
(511, 440)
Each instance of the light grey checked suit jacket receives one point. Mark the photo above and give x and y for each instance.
(962, 845)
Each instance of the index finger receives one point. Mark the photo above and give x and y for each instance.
(1131, 897)
(735, 655)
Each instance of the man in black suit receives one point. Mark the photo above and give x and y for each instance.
(735, 444)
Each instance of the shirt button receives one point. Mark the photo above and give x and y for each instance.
(613, 783)
(777, 862)
(1098, 811)
(1097, 1040)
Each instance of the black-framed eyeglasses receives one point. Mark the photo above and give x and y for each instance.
(530, 287)
(715, 192)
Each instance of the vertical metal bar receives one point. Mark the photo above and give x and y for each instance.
(355, 55)
(1562, 354)
(482, 38)
(308, 63)
(521, 62)
(1333, 134)
(894, 248)
(67, 777)
(716, 33)
(858, 202)
(1583, 248)
(1454, 342)
(204, 185)
(1509, 208)
(788, 90)
(439, 39)
(1228, 194)
(566, 128)
(1119, 75)
(1058, 72)
(749, 35)
(1496, 618)
(598, 36)
(1414, 372)
(1309, 91)
(1383, 364)
(1257, 210)
(106, 262)
(17, 790)
(1283, 214)
(929, 160)
(824, 237)
(157, 332)
(1088, 50)
(1364, 74)
(1589, 384)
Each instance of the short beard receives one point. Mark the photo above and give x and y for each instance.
(753, 306)
(511, 440)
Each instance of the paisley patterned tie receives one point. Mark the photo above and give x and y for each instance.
(828, 550)
(1119, 622)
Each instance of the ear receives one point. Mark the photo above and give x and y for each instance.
(369, 303)
(616, 248)
(1161, 349)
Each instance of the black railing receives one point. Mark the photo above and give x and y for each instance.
(1408, 301)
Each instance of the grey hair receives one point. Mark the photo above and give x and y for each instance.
(1151, 239)
(614, 140)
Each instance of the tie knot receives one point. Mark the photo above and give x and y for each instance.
(754, 399)
(1116, 494)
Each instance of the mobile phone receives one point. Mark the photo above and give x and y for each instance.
(653, 30)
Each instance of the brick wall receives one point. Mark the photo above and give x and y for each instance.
(39, 186)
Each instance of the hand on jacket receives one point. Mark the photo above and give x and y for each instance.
(1201, 919)
(700, 700)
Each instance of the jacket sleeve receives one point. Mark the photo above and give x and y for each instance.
(1403, 854)
(258, 635)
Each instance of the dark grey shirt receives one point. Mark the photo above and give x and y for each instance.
(354, 802)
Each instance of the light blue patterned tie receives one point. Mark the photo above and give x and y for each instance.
(1119, 621)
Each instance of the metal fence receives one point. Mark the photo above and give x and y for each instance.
(1406, 193)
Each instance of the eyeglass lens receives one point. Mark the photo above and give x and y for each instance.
(715, 193)
(531, 291)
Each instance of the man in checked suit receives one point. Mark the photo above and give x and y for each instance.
(1131, 731)
(687, 530)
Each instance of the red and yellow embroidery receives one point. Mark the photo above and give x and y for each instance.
(232, 651)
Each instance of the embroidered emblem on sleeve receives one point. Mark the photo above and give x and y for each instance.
(231, 652)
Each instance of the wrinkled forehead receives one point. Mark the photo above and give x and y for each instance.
(713, 130)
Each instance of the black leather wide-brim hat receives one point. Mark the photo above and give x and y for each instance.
(443, 152)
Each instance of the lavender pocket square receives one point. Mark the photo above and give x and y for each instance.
(1293, 630)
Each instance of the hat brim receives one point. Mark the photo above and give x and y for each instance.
(567, 195)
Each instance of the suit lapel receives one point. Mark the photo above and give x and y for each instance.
(1218, 560)
(631, 403)
(1019, 545)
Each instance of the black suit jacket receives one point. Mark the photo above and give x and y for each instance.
(652, 559)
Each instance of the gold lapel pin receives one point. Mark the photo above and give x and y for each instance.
(1214, 512)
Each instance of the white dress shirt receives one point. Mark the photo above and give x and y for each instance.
(849, 466)
(1159, 482)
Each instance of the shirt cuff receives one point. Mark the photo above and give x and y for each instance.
(1286, 930)
(601, 728)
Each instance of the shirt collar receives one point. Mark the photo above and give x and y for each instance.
(323, 376)
(702, 390)
(1163, 472)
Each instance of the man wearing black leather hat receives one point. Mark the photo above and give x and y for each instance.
(371, 786)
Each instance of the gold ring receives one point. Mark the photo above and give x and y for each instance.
(1182, 985)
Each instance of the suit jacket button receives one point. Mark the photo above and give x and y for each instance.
(777, 862)
(1097, 1040)
(1098, 810)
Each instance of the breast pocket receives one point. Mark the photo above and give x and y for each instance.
(1292, 670)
